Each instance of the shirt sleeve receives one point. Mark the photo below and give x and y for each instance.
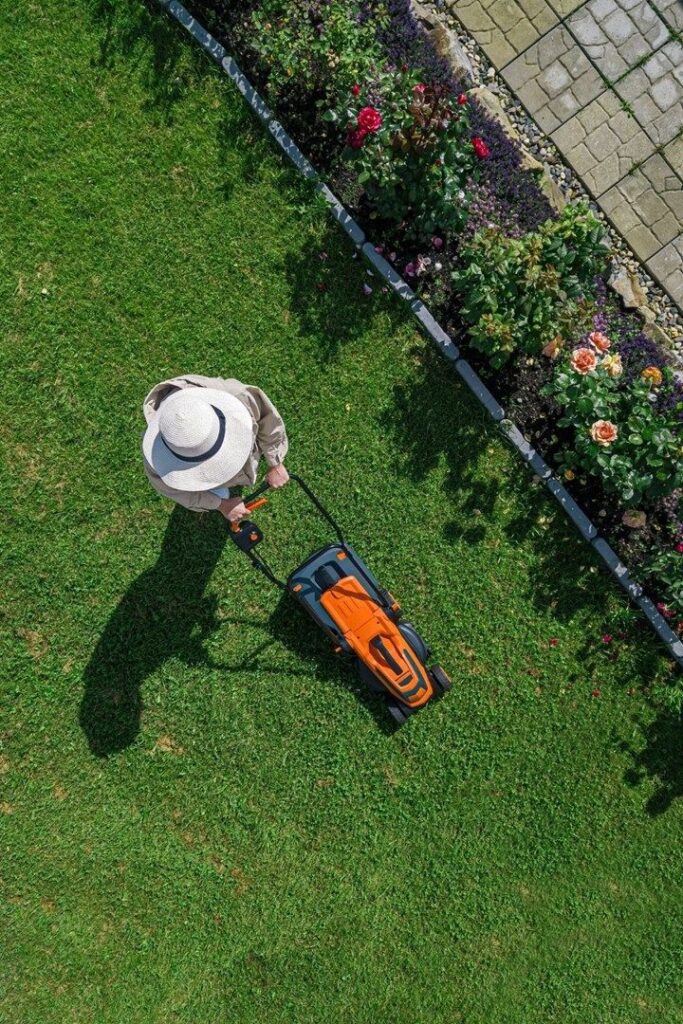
(271, 436)
(198, 501)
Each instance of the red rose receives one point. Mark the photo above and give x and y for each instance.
(595, 693)
(480, 148)
(462, 99)
(355, 89)
(355, 137)
(369, 119)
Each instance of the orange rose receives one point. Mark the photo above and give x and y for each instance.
(552, 349)
(603, 432)
(613, 365)
(599, 341)
(584, 360)
(653, 375)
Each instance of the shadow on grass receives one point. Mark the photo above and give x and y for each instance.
(291, 627)
(661, 759)
(130, 32)
(326, 280)
(166, 614)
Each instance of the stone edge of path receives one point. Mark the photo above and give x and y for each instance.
(432, 328)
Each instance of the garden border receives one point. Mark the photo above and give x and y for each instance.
(435, 332)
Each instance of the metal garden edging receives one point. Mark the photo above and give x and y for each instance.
(435, 332)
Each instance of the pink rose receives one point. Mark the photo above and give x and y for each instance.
(552, 349)
(603, 432)
(369, 119)
(599, 340)
(583, 360)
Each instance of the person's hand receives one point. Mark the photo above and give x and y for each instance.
(277, 476)
(233, 509)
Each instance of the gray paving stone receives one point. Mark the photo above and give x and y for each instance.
(504, 28)
(554, 79)
(603, 142)
(617, 33)
(672, 12)
(646, 206)
(674, 154)
(667, 266)
(565, 7)
(654, 92)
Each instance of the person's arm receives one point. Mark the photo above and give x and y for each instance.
(271, 436)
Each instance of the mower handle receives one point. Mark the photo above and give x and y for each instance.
(252, 503)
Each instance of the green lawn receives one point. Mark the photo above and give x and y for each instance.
(204, 819)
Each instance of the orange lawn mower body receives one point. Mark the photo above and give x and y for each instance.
(361, 619)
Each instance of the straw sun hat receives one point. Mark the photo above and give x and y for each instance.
(200, 438)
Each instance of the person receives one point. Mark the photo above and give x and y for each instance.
(206, 435)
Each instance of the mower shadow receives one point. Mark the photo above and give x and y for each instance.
(164, 614)
(289, 626)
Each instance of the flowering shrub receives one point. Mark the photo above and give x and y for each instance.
(524, 293)
(318, 45)
(621, 433)
(415, 155)
(667, 566)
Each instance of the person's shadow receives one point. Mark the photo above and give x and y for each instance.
(164, 614)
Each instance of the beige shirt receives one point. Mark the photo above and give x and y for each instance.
(270, 437)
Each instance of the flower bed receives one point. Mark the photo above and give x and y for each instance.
(443, 192)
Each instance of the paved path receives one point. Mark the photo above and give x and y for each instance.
(604, 79)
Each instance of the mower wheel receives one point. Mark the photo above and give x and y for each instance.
(398, 712)
(441, 679)
(409, 633)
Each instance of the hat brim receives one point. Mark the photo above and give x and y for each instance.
(240, 430)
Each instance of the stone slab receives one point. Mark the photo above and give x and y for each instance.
(603, 142)
(616, 34)
(646, 206)
(674, 155)
(554, 79)
(672, 13)
(504, 28)
(654, 91)
(667, 267)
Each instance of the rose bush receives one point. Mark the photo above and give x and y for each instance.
(525, 293)
(623, 431)
(414, 156)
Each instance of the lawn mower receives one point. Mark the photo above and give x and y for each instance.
(362, 619)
